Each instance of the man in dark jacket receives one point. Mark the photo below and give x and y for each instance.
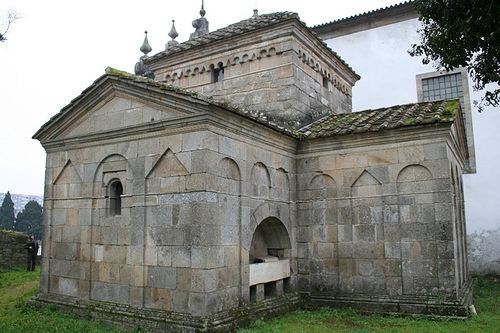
(32, 248)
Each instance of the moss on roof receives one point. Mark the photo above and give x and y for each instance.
(384, 118)
(332, 125)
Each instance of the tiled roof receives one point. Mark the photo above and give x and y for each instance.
(333, 125)
(384, 118)
(409, 3)
(238, 28)
(248, 25)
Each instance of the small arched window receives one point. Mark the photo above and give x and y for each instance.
(218, 73)
(115, 200)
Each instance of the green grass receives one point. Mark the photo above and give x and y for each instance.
(487, 302)
(16, 287)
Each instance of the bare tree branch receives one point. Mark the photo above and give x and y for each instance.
(11, 17)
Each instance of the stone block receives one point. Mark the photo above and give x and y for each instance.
(411, 154)
(207, 257)
(369, 285)
(158, 298)
(345, 250)
(181, 256)
(325, 250)
(68, 287)
(164, 256)
(161, 277)
(392, 250)
(200, 140)
(435, 151)
(368, 250)
(364, 232)
(394, 286)
(391, 214)
(197, 303)
(180, 301)
(345, 233)
(110, 292)
(231, 256)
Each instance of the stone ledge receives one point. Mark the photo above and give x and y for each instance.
(163, 321)
(414, 306)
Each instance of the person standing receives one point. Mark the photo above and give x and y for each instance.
(32, 248)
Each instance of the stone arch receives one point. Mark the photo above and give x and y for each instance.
(281, 184)
(230, 174)
(266, 210)
(414, 172)
(270, 238)
(322, 186)
(269, 259)
(112, 166)
(260, 180)
(228, 168)
(414, 178)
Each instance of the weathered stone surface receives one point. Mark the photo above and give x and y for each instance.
(369, 216)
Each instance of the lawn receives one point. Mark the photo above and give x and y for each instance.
(16, 287)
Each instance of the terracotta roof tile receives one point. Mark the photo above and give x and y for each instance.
(248, 25)
(384, 118)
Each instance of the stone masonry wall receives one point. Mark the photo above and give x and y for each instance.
(12, 251)
(190, 205)
(378, 221)
(274, 78)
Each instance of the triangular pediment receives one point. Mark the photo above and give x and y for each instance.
(117, 112)
(112, 104)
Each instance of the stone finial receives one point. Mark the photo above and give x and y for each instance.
(202, 10)
(255, 13)
(173, 34)
(145, 47)
(200, 24)
(140, 67)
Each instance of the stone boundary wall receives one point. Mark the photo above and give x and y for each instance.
(12, 251)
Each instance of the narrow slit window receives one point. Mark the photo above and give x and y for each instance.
(115, 199)
(218, 73)
(325, 82)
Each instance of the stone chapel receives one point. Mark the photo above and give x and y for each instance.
(228, 179)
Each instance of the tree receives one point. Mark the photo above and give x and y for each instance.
(466, 33)
(29, 220)
(4, 28)
(7, 216)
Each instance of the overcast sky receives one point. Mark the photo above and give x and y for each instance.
(58, 48)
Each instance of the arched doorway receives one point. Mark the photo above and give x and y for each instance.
(269, 260)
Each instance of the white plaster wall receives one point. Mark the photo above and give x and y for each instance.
(388, 78)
